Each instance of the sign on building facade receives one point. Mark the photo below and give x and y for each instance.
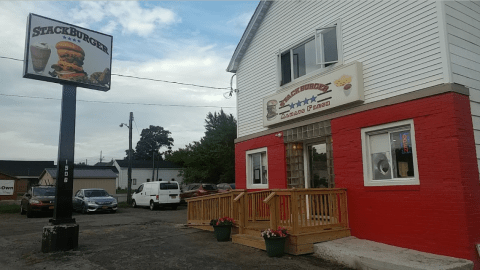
(340, 87)
(7, 187)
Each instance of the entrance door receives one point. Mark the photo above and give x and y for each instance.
(317, 166)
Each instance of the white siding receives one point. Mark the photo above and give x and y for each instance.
(463, 35)
(398, 43)
(143, 174)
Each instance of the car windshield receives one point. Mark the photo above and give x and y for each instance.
(168, 186)
(44, 191)
(96, 193)
(209, 187)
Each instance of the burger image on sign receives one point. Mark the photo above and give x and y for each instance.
(69, 66)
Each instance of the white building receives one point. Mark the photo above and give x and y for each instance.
(381, 98)
(142, 171)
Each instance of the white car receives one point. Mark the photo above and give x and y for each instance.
(155, 194)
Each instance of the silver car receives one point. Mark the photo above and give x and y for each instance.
(94, 200)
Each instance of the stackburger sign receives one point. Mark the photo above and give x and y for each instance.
(67, 54)
(320, 93)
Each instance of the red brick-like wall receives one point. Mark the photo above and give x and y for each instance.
(277, 172)
(442, 214)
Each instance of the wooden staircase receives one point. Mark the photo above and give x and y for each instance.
(310, 215)
(296, 244)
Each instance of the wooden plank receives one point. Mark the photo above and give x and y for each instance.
(247, 240)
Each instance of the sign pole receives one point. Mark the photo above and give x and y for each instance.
(62, 233)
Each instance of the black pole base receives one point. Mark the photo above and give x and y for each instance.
(60, 237)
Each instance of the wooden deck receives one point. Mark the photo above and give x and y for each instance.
(310, 215)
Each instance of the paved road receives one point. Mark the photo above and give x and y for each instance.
(135, 239)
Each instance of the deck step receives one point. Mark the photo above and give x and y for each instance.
(296, 244)
(249, 240)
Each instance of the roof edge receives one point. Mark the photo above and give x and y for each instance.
(247, 36)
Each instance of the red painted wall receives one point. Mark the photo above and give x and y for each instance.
(442, 214)
(277, 171)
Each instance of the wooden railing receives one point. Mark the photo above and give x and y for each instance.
(299, 210)
(308, 210)
(201, 210)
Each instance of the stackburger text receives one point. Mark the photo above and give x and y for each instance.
(70, 31)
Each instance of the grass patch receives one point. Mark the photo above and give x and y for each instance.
(121, 191)
(9, 208)
(119, 205)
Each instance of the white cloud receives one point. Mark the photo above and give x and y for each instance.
(135, 19)
(29, 128)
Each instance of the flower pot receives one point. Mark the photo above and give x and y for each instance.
(222, 233)
(275, 246)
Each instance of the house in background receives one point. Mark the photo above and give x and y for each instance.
(28, 172)
(85, 178)
(143, 171)
(381, 98)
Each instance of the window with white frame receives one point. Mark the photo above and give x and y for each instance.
(134, 181)
(389, 155)
(317, 52)
(257, 168)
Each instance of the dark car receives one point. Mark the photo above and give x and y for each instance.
(38, 199)
(224, 187)
(94, 200)
(198, 189)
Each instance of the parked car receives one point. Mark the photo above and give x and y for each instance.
(224, 187)
(94, 200)
(38, 199)
(157, 194)
(198, 189)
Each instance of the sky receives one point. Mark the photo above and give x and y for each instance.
(190, 42)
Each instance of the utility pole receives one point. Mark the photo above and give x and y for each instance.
(153, 165)
(129, 189)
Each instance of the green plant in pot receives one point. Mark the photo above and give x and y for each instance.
(275, 241)
(222, 228)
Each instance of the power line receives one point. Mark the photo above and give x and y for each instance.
(143, 78)
(125, 103)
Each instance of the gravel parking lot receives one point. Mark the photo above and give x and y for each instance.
(136, 239)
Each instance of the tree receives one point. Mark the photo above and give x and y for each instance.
(151, 140)
(212, 159)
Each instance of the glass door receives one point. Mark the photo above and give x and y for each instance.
(317, 166)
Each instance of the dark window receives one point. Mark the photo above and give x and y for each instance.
(286, 68)
(96, 193)
(44, 191)
(168, 186)
(209, 187)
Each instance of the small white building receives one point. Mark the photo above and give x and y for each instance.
(143, 170)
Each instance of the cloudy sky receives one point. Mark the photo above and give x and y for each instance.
(181, 41)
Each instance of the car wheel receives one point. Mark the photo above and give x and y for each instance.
(174, 207)
(113, 211)
(29, 213)
(134, 204)
(152, 206)
(84, 209)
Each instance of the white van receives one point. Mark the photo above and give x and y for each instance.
(159, 193)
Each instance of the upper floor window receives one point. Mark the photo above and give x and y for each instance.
(319, 51)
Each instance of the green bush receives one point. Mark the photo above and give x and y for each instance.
(9, 208)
